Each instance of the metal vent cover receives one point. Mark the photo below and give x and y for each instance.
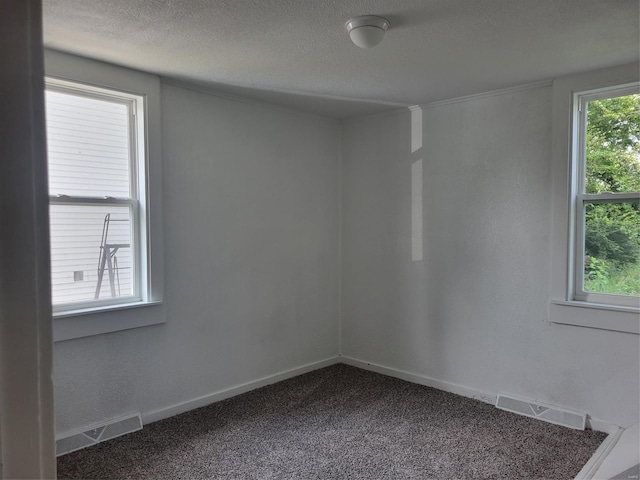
(122, 427)
(556, 415)
(98, 433)
(72, 443)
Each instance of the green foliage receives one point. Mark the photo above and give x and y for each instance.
(613, 145)
(612, 231)
(596, 276)
(601, 277)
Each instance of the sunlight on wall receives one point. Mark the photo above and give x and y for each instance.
(416, 128)
(416, 185)
(416, 210)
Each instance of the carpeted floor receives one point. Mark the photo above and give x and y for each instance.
(340, 422)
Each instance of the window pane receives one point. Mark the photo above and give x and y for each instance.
(612, 248)
(613, 145)
(88, 146)
(83, 237)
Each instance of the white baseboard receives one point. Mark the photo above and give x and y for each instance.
(422, 380)
(205, 400)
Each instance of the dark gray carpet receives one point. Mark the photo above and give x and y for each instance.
(340, 422)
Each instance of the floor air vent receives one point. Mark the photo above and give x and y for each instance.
(547, 413)
(98, 433)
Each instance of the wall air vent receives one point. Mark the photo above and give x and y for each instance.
(98, 433)
(547, 413)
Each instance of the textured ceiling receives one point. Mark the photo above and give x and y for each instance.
(297, 52)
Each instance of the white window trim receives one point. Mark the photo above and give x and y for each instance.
(564, 307)
(580, 199)
(98, 318)
(135, 201)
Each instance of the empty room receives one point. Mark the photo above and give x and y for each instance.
(320, 239)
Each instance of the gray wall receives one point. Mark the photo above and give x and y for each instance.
(473, 312)
(251, 202)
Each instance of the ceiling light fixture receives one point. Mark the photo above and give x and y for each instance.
(367, 31)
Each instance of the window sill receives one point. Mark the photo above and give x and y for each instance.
(86, 322)
(105, 308)
(595, 315)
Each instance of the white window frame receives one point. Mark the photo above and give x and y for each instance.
(137, 186)
(581, 199)
(104, 316)
(566, 306)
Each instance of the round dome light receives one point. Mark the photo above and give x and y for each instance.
(367, 31)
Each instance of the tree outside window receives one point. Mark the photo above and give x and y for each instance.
(612, 228)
